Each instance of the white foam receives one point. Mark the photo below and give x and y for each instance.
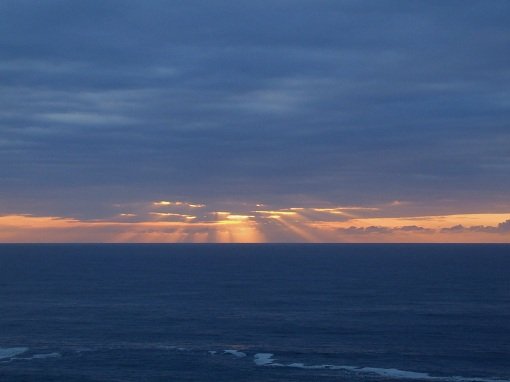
(342, 367)
(11, 355)
(11, 352)
(404, 374)
(483, 379)
(235, 353)
(212, 352)
(395, 373)
(171, 347)
(37, 356)
(467, 379)
(263, 359)
(46, 355)
(300, 365)
(266, 359)
(166, 347)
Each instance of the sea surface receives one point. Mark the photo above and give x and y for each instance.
(294, 312)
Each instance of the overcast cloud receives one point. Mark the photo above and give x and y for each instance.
(278, 102)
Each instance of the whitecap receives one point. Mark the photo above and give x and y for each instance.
(11, 352)
(170, 347)
(37, 356)
(263, 359)
(266, 359)
(300, 365)
(463, 379)
(404, 374)
(166, 347)
(395, 373)
(46, 355)
(235, 353)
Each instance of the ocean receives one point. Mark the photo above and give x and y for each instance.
(268, 312)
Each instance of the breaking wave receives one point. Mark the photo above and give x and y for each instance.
(7, 353)
(266, 359)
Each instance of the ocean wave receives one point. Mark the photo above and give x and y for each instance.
(7, 353)
(40, 356)
(262, 359)
(170, 347)
(266, 359)
(235, 353)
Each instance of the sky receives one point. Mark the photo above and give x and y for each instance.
(254, 121)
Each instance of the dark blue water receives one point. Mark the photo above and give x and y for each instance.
(282, 312)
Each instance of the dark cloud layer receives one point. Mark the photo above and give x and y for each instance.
(501, 228)
(337, 101)
(387, 230)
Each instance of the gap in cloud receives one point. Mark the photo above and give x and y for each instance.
(180, 221)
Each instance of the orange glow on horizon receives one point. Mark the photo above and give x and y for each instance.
(270, 225)
(436, 222)
(166, 203)
(239, 217)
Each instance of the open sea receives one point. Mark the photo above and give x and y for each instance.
(266, 312)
